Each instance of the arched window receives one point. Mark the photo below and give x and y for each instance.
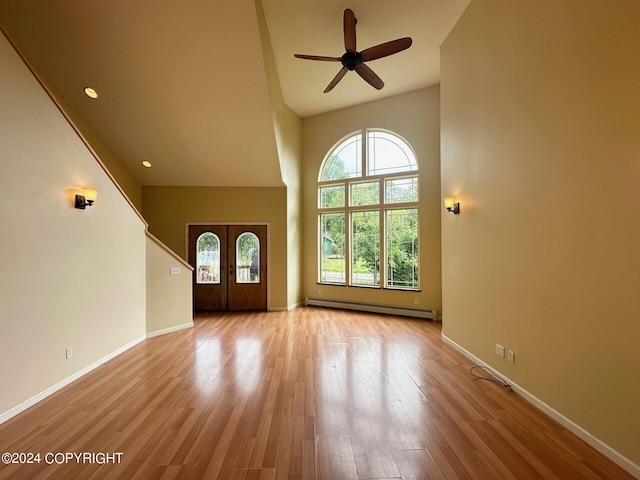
(248, 258)
(368, 212)
(208, 258)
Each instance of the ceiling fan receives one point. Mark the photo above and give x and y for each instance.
(354, 60)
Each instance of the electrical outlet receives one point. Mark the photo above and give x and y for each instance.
(174, 271)
(68, 352)
(319, 292)
(499, 350)
(416, 301)
(511, 356)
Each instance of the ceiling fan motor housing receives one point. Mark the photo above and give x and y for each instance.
(351, 60)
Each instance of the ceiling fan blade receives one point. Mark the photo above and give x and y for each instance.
(370, 76)
(349, 31)
(336, 79)
(387, 48)
(317, 57)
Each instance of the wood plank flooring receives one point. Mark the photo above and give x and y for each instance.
(308, 394)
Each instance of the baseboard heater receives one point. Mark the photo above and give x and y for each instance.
(372, 307)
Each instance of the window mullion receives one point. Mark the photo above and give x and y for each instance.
(383, 236)
(365, 149)
(357, 190)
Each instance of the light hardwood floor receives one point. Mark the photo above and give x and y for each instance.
(311, 393)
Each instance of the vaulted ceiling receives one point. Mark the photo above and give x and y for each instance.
(183, 84)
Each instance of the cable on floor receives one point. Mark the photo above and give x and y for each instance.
(498, 379)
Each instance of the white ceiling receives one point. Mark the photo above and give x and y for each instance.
(183, 84)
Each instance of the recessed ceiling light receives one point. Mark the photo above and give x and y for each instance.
(90, 92)
(146, 163)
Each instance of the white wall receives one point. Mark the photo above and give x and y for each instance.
(68, 277)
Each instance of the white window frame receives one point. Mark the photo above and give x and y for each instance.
(381, 207)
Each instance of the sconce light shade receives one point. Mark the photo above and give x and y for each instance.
(90, 194)
(451, 206)
(86, 200)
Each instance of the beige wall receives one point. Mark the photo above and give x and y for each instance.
(291, 174)
(169, 210)
(130, 185)
(414, 116)
(169, 296)
(70, 278)
(288, 132)
(540, 117)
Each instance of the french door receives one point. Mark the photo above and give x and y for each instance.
(229, 267)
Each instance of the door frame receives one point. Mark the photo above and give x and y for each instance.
(224, 224)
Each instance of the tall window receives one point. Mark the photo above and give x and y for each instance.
(368, 212)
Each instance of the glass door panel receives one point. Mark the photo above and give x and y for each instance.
(248, 258)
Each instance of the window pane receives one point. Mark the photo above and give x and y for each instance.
(332, 265)
(208, 258)
(332, 196)
(365, 248)
(401, 190)
(365, 194)
(248, 258)
(344, 161)
(402, 248)
(388, 153)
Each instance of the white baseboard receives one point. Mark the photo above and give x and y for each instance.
(164, 331)
(573, 427)
(12, 412)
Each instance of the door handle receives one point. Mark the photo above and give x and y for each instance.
(230, 269)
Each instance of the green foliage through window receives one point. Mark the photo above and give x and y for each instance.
(208, 259)
(381, 207)
(365, 194)
(365, 247)
(401, 190)
(332, 258)
(402, 248)
(332, 196)
(248, 258)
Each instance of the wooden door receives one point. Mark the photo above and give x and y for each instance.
(247, 267)
(208, 257)
(230, 267)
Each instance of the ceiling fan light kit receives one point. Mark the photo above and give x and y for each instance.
(352, 60)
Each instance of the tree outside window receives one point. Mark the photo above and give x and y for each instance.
(368, 231)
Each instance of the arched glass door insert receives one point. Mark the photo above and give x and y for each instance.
(248, 258)
(208, 259)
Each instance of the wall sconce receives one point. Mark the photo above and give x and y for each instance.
(86, 200)
(451, 206)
